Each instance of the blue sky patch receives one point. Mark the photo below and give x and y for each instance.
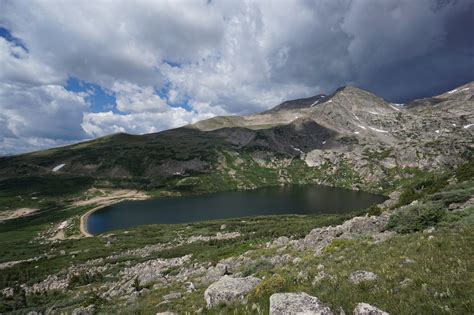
(99, 99)
(5, 33)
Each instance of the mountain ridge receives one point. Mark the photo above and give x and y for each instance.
(350, 126)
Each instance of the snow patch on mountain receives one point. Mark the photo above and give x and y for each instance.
(58, 167)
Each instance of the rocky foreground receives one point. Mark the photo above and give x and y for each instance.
(279, 276)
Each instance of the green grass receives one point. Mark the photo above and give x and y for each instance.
(441, 274)
(442, 271)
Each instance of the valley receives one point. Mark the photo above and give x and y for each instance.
(410, 254)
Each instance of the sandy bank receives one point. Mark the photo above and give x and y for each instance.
(104, 201)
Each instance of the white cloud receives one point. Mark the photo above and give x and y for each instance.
(100, 124)
(136, 99)
(220, 57)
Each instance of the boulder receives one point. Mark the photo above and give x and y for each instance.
(229, 290)
(367, 309)
(281, 241)
(320, 238)
(362, 276)
(297, 303)
(172, 296)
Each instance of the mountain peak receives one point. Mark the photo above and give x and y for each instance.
(299, 103)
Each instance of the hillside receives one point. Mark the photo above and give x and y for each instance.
(351, 128)
(411, 254)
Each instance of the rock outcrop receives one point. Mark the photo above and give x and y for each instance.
(297, 303)
(229, 290)
(319, 238)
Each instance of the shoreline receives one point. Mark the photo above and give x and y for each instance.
(85, 217)
(391, 198)
(83, 220)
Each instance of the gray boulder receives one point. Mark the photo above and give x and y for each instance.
(362, 276)
(297, 303)
(229, 290)
(367, 309)
(320, 238)
(172, 296)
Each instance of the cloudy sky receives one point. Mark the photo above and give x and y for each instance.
(76, 70)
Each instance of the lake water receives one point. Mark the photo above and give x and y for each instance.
(280, 200)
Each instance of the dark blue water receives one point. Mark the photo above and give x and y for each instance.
(290, 199)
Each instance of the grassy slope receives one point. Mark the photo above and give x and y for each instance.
(446, 276)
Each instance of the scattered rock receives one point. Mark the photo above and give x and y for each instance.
(297, 260)
(361, 276)
(408, 261)
(297, 303)
(90, 310)
(278, 260)
(429, 230)
(382, 237)
(8, 292)
(224, 267)
(281, 241)
(319, 277)
(218, 236)
(367, 309)
(406, 283)
(223, 227)
(190, 287)
(172, 296)
(229, 290)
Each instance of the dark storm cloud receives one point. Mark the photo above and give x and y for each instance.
(168, 63)
(397, 49)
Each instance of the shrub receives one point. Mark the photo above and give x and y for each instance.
(416, 217)
(270, 285)
(407, 196)
(422, 187)
(465, 171)
(374, 210)
(452, 196)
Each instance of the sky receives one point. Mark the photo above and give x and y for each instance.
(77, 70)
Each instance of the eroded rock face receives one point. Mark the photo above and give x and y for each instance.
(297, 303)
(229, 290)
(362, 276)
(367, 309)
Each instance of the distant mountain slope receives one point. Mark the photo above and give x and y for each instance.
(350, 128)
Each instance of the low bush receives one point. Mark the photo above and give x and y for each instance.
(452, 196)
(269, 286)
(422, 187)
(374, 210)
(416, 217)
(465, 171)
